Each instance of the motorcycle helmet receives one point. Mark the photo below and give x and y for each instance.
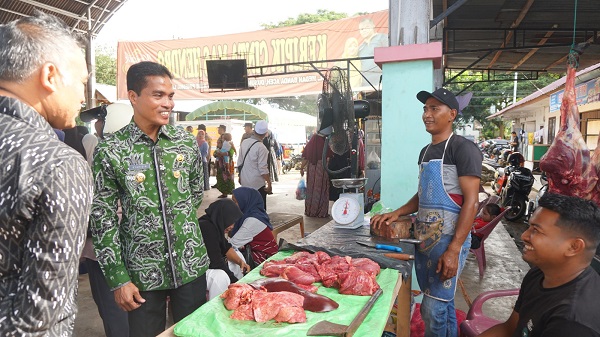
(516, 159)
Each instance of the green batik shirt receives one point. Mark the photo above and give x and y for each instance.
(157, 244)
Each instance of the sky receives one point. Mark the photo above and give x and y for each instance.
(150, 20)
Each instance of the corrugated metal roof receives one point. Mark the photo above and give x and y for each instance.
(475, 31)
(74, 13)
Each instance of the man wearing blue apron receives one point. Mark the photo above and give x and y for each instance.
(449, 177)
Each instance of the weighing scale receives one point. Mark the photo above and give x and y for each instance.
(348, 211)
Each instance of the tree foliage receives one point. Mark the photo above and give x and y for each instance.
(497, 94)
(106, 66)
(322, 15)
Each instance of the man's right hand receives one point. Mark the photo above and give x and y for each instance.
(128, 297)
(384, 219)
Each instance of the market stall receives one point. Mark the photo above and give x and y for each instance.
(212, 319)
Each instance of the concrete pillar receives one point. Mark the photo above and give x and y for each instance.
(409, 21)
(407, 70)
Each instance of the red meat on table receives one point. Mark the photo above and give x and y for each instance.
(357, 282)
(266, 306)
(294, 274)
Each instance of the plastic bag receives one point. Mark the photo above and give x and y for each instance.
(373, 160)
(301, 190)
(378, 208)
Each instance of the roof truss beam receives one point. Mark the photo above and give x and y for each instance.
(515, 24)
(447, 12)
(54, 9)
(519, 38)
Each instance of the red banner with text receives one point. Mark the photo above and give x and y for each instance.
(316, 43)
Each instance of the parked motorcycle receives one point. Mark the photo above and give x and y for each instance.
(290, 163)
(533, 204)
(513, 184)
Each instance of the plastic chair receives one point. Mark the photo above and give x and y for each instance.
(484, 232)
(476, 322)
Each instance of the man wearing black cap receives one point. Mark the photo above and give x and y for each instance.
(247, 132)
(449, 177)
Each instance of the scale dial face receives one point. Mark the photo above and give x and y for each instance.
(345, 210)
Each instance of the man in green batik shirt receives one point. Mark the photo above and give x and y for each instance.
(156, 251)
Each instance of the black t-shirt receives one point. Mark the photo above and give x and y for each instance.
(461, 153)
(567, 310)
(216, 248)
(462, 158)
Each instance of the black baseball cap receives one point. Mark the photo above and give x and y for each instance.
(442, 95)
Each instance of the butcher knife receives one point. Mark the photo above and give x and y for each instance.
(380, 246)
(413, 241)
(326, 328)
(403, 257)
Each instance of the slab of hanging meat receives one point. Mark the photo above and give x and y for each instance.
(567, 162)
(596, 164)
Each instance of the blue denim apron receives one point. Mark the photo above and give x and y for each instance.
(436, 221)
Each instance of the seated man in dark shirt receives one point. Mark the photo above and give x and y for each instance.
(560, 294)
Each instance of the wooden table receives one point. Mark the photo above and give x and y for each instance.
(283, 221)
(343, 242)
(338, 241)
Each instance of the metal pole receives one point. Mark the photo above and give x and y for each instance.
(515, 88)
(91, 64)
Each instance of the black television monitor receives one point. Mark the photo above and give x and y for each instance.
(227, 74)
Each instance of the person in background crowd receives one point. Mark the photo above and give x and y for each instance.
(156, 251)
(247, 132)
(559, 295)
(278, 155)
(316, 203)
(446, 201)
(270, 143)
(220, 215)
(225, 178)
(514, 142)
(254, 227)
(205, 154)
(253, 168)
(209, 140)
(114, 319)
(189, 129)
(46, 186)
(226, 147)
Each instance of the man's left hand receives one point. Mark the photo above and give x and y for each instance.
(448, 264)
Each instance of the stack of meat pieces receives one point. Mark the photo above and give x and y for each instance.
(350, 276)
(259, 305)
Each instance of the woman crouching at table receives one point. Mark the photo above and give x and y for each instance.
(254, 227)
(220, 215)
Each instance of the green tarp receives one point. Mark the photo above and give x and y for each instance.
(212, 319)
